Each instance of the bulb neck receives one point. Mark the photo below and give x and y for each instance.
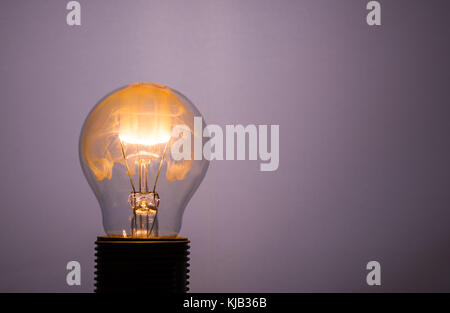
(144, 223)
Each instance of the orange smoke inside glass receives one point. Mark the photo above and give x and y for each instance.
(138, 119)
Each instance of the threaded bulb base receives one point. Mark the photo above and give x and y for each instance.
(157, 265)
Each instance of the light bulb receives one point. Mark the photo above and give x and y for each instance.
(125, 153)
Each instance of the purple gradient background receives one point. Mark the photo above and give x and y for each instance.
(364, 150)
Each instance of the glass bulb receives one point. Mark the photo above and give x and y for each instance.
(125, 154)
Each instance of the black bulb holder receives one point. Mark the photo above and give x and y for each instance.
(157, 265)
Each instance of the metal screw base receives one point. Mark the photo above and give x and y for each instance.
(141, 265)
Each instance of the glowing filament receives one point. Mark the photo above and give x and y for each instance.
(147, 141)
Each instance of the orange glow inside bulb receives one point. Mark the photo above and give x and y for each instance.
(146, 141)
